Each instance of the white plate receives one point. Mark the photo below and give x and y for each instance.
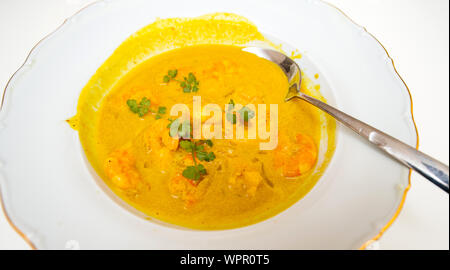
(49, 192)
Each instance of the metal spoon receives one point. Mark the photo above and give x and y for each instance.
(430, 168)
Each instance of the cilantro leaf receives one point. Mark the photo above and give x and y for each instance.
(211, 156)
(187, 145)
(142, 108)
(204, 156)
(191, 172)
(172, 73)
(231, 117)
(207, 142)
(170, 122)
(162, 110)
(201, 169)
(185, 134)
(197, 149)
(145, 102)
(194, 172)
(132, 103)
(190, 83)
(244, 112)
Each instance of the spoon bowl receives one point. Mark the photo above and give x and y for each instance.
(290, 68)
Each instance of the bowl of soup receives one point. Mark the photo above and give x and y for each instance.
(156, 130)
(208, 182)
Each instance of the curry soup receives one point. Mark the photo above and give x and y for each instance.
(205, 184)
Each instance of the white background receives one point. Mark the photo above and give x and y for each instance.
(414, 32)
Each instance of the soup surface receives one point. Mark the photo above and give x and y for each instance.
(205, 183)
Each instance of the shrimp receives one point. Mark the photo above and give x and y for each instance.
(159, 144)
(185, 189)
(246, 178)
(295, 158)
(120, 168)
(157, 137)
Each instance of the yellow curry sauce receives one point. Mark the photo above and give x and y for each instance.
(135, 155)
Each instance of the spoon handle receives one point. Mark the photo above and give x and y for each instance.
(430, 168)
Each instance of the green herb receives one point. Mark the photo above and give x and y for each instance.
(161, 111)
(142, 108)
(189, 83)
(197, 150)
(247, 113)
(171, 74)
(207, 142)
(244, 112)
(181, 133)
(194, 172)
(204, 156)
(170, 122)
(187, 145)
(231, 117)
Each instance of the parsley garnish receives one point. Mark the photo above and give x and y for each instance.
(180, 132)
(171, 74)
(197, 150)
(142, 108)
(170, 122)
(202, 155)
(194, 172)
(160, 112)
(245, 113)
(189, 83)
(207, 142)
(231, 116)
